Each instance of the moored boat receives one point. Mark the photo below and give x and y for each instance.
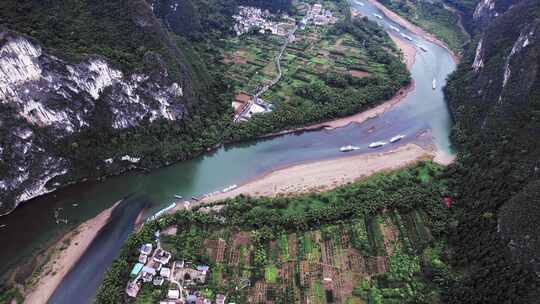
(434, 83)
(377, 144)
(397, 138)
(178, 196)
(348, 148)
(378, 16)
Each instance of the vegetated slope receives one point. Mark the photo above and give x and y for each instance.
(89, 88)
(495, 99)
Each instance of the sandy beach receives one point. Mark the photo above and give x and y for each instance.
(65, 253)
(327, 174)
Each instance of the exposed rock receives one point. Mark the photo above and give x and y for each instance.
(40, 91)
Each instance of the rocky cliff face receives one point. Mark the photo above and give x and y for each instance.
(44, 99)
(495, 99)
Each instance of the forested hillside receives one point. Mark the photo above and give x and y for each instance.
(91, 88)
(495, 99)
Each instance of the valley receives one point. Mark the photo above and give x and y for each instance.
(254, 201)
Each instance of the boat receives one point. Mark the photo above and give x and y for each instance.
(229, 188)
(75, 205)
(377, 15)
(434, 83)
(3, 226)
(397, 138)
(178, 196)
(377, 144)
(394, 28)
(422, 48)
(348, 148)
(360, 3)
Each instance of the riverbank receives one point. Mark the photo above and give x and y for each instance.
(414, 28)
(63, 256)
(327, 174)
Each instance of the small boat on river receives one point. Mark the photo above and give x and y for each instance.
(178, 196)
(229, 188)
(397, 138)
(422, 48)
(378, 16)
(434, 83)
(395, 28)
(348, 148)
(406, 37)
(377, 144)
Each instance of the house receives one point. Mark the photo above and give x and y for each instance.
(146, 249)
(220, 299)
(165, 272)
(162, 256)
(148, 274)
(143, 258)
(191, 299)
(158, 281)
(133, 288)
(173, 294)
(203, 269)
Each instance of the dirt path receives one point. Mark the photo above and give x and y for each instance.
(65, 253)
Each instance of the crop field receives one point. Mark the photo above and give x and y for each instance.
(336, 263)
(316, 55)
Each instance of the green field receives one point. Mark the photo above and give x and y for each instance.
(360, 242)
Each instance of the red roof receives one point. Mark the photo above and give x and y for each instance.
(448, 201)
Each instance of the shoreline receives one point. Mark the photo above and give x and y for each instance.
(414, 28)
(323, 175)
(65, 253)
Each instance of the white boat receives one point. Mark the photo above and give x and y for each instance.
(397, 138)
(75, 205)
(227, 189)
(377, 15)
(377, 144)
(394, 28)
(3, 226)
(360, 3)
(434, 83)
(348, 148)
(178, 196)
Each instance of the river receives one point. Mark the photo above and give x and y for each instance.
(32, 224)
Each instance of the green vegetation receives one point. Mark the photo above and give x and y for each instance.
(8, 295)
(327, 73)
(433, 16)
(496, 135)
(315, 231)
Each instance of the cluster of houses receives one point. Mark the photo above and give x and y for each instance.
(154, 267)
(252, 17)
(319, 16)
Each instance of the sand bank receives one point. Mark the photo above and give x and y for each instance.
(64, 254)
(327, 174)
